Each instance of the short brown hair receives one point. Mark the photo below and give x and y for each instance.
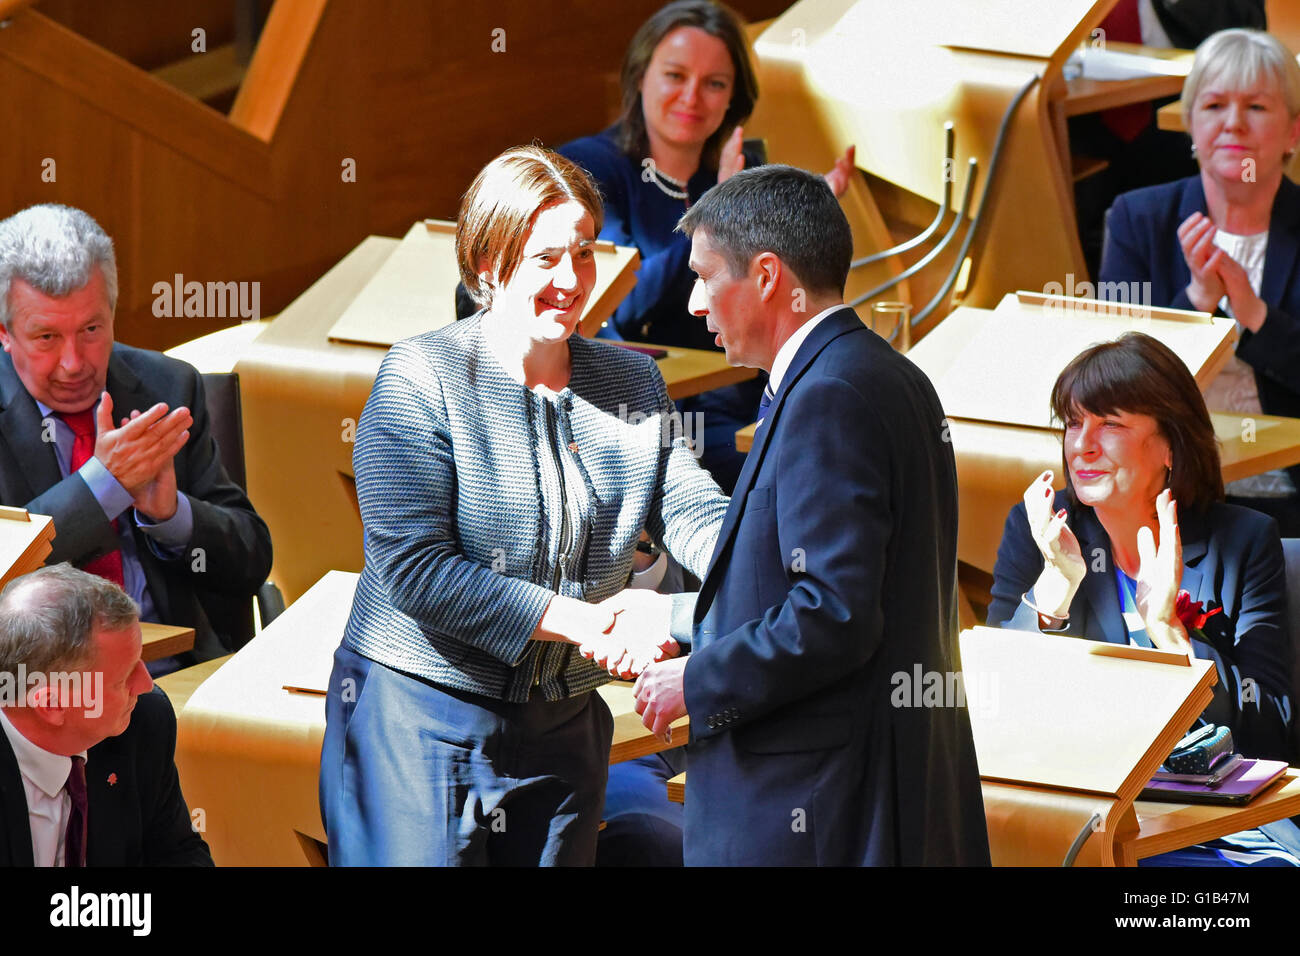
(715, 19)
(1142, 376)
(497, 212)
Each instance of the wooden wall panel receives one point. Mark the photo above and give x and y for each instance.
(409, 89)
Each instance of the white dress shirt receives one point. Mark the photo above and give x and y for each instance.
(785, 355)
(45, 776)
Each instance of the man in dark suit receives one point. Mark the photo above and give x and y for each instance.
(834, 571)
(87, 771)
(113, 442)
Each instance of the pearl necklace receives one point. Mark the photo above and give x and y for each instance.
(659, 178)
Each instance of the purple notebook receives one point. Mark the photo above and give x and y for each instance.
(1240, 786)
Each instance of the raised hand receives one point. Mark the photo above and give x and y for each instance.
(1160, 570)
(137, 452)
(731, 160)
(841, 174)
(1203, 257)
(1063, 566)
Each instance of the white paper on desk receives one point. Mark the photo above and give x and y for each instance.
(1100, 64)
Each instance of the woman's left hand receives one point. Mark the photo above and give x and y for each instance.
(732, 158)
(841, 174)
(1159, 573)
(1247, 308)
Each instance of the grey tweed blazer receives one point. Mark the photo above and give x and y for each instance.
(459, 558)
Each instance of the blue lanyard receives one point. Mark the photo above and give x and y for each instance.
(1126, 589)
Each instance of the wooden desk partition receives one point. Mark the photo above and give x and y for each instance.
(1065, 729)
(249, 736)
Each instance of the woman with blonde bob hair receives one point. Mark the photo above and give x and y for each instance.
(505, 467)
(1227, 241)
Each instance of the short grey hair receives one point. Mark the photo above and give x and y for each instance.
(53, 249)
(48, 618)
(1239, 59)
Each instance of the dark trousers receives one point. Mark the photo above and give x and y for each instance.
(417, 775)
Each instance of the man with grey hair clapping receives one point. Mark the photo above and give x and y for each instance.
(111, 441)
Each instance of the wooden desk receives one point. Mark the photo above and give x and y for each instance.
(1163, 827)
(1171, 826)
(163, 640)
(248, 748)
(1092, 96)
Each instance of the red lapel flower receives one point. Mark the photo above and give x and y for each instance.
(1190, 613)
(112, 779)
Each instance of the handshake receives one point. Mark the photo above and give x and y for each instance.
(628, 632)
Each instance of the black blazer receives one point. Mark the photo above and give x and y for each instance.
(1142, 248)
(235, 544)
(835, 570)
(1232, 558)
(137, 813)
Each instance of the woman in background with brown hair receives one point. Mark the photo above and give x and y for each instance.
(688, 85)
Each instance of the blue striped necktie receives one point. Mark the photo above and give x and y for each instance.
(766, 401)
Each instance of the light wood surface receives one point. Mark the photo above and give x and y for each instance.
(180, 685)
(1169, 826)
(677, 788)
(1077, 715)
(248, 747)
(164, 640)
(999, 365)
(302, 395)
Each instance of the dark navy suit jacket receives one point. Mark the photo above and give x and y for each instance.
(136, 812)
(834, 570)
(1232, 559)
(233, 539)
(1142, 247)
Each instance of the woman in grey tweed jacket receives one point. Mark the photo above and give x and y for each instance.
(505, 468)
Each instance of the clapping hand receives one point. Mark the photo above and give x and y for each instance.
(1063, 565)
(1216, 274)
(1196, 236)
(731, 160)
(139, 453)
(1159, 572)
(841, 174)
(638, 637)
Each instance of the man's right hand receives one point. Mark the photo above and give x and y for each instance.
(138, 450)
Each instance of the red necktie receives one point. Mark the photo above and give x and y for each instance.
(1124, 24)
(83, 447)
(74, 843)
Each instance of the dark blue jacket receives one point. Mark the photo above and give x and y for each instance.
(835, 570)
(136, 812)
